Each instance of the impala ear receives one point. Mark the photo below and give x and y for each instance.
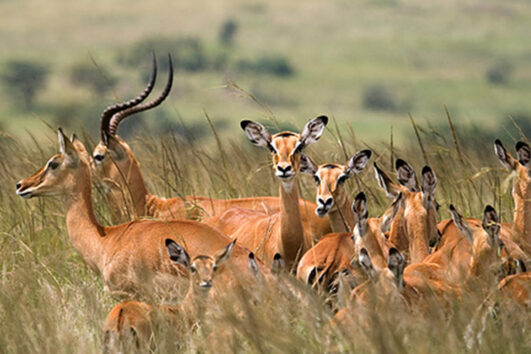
(462, 224)
(429, 183)
(491, 224)
(396, 264)
(278, 265)
(116, 148)
(67, 148)
(384, 181)
(307, 166)
(312, 132)
(406, 175)
(82, 151)
(257, 134)
(366, 263)
(523, 152)
(389, 215)
(177, 253)
(223, 254)
(359, 207)
(505, 158)
(358, 162)
(253, 266)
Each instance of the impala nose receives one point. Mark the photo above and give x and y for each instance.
(206, 284)
(284, 171)
(19, 185)
(323, 206)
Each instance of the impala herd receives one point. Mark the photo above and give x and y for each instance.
(404, 254)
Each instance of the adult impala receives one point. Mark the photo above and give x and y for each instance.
(114, 163)
(282, 232)
(415, 226)
(337, 252)
(130, 255)
(521, 166)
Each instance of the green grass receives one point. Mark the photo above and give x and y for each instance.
(51, 302)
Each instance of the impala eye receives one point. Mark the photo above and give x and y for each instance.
(53, 165)
(341, 179)
(214, 268)
(316, 179)
(99, 158)
(193, 269)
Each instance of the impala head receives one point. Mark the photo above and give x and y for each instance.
(485, 241)
(202, 268)
(522, 164)
(389, 278)
(419, 206)
(112, 154)
(331, 177)
(60, 174)
(372, 226)
(286, 147)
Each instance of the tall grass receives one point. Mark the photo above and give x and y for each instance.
(51, 302)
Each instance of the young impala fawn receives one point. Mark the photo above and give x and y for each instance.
(128, 256)
(137, 317)
(415, 226)
(283, 232)
(521, 166)
(334, 253)
(114, 163)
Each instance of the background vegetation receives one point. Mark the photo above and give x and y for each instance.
(366, 64)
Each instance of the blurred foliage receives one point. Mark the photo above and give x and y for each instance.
(273, 65)
(379, 97)
(97, 79)
(499, 73)
(187, 53)
(228, 31)
(23, 79)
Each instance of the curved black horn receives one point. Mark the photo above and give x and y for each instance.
(118, 117)
(110, 111)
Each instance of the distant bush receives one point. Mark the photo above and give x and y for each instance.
(23, 79)
(379, 97)
(228, 31)
(499, 73)
(188, 53)
(94, 78)
(273, 65)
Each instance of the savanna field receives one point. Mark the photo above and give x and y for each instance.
(431, 83)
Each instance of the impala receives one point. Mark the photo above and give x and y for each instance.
(383, 284)
(432, 277)
(521, 230)
(335, 252)
(415, 226)
(517, 287)
(114, 163)
(136, 317)
(282, 232)
(130, 255)
(332, 198)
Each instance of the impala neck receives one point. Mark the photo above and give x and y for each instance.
(136, 188)
(84, 231)
(522, 210)
(418, 238)
(341, 215)
(291, 230)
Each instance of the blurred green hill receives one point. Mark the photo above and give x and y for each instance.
(365, 63)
